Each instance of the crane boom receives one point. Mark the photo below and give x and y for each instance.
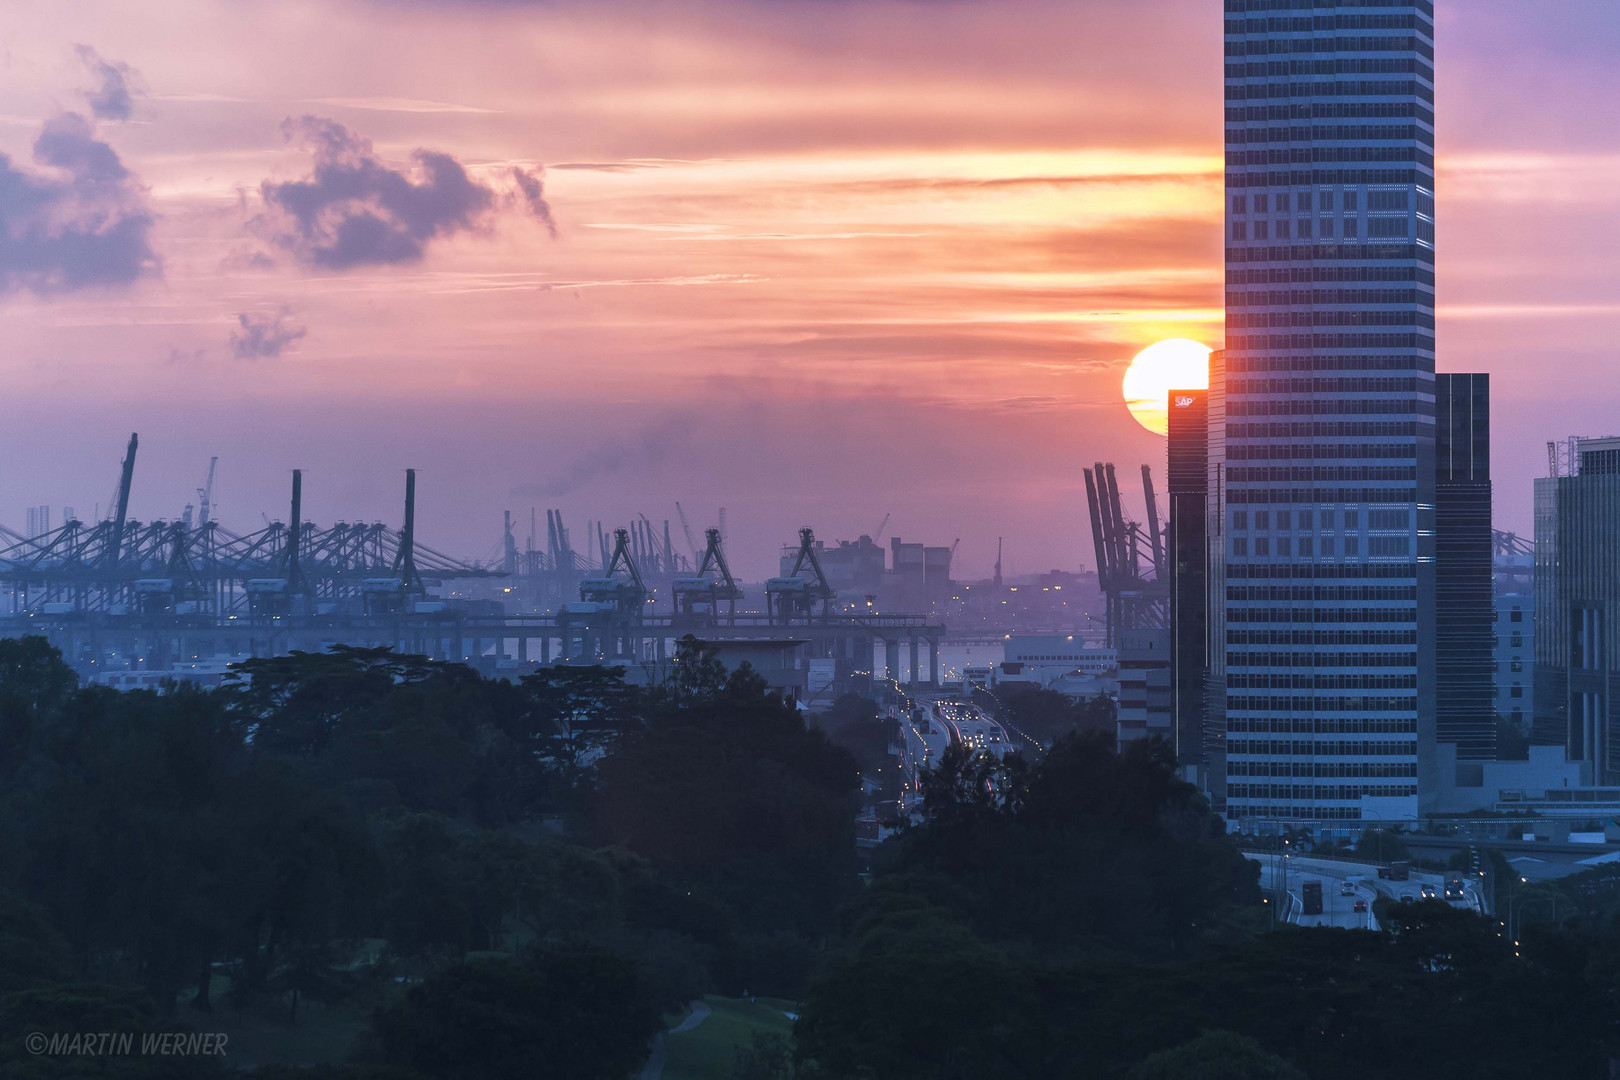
(691, 541)
(205, 494)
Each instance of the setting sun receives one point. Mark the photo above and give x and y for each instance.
(1173, 364)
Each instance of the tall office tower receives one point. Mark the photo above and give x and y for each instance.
(1329, 410)
(1513, 569)
(1577, 649)
(1189, 575)
(1465, 706)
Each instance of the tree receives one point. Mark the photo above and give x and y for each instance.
(34, 685)
(1383, 845)
(919, 996)
(727, 790)
(572, 1011)
(1216, 1055)
(572, 712)
(1047, 716)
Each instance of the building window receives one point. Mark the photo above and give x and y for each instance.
(1516, 665)
(1282, 519)
(1516, 615)
(1516, 691)
(1283, 546)
(1240, 519)
(1240, 546)
(1304, 519)
(1349, 200)
(1262, 545)
(1327, 545)
(1262, 519)
(1352, 519)
(1240, 230)
(1282, 229)
(1304, 230)
(1260, 231)
(1306, 548)
(1282, 202)
(1516, 641)
(1352, 546)
(1260, 204)
(1240, 204)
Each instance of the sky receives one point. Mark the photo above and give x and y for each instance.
(814, 261)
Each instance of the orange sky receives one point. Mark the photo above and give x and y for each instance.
(815, 260)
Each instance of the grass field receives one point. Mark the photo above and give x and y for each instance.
(706, 1051)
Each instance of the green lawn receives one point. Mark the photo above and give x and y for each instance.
(706, 1052)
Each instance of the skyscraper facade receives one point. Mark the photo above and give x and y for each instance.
(1187, 548)
(1465, 700)
(1328, 451)
(1577, 649)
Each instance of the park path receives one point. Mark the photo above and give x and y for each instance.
(654, 1069)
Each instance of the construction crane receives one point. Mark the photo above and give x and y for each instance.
(205, 495)
(691, 541)
(712, 584)
(1136, 600)
(797, 593)
(877, 537)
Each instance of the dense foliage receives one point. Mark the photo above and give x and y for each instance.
(495, 879)
(402, 835)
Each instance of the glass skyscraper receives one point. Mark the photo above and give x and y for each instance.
(1327, 447)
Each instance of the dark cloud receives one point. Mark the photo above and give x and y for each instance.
(265, 335)
(85, 223)
(112, 99)
(532, 191)
(355, 210)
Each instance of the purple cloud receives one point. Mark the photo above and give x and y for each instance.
(85, 223)
(265, 335)
(112, 98)
(355, 210)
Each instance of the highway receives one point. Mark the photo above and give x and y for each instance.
(1339, 910)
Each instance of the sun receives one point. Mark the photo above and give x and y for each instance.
(1173, 364)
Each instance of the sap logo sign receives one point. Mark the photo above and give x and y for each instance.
(1183, 402)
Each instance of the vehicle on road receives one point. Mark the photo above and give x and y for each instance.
(1396, 871)
(1454, 889)
(1311, 897)
(1347, 888)
(1360, 906)
(1428, 891)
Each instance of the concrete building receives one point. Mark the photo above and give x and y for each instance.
(1577, 610)
(1044, 657)
(1329, 441)
(1513, 642)
(1188, 552)
(1144, 685)
(1465, 706)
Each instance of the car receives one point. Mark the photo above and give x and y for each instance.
(1428, 891)
(1347, 888)
(1360, 906)
(1454, 889)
